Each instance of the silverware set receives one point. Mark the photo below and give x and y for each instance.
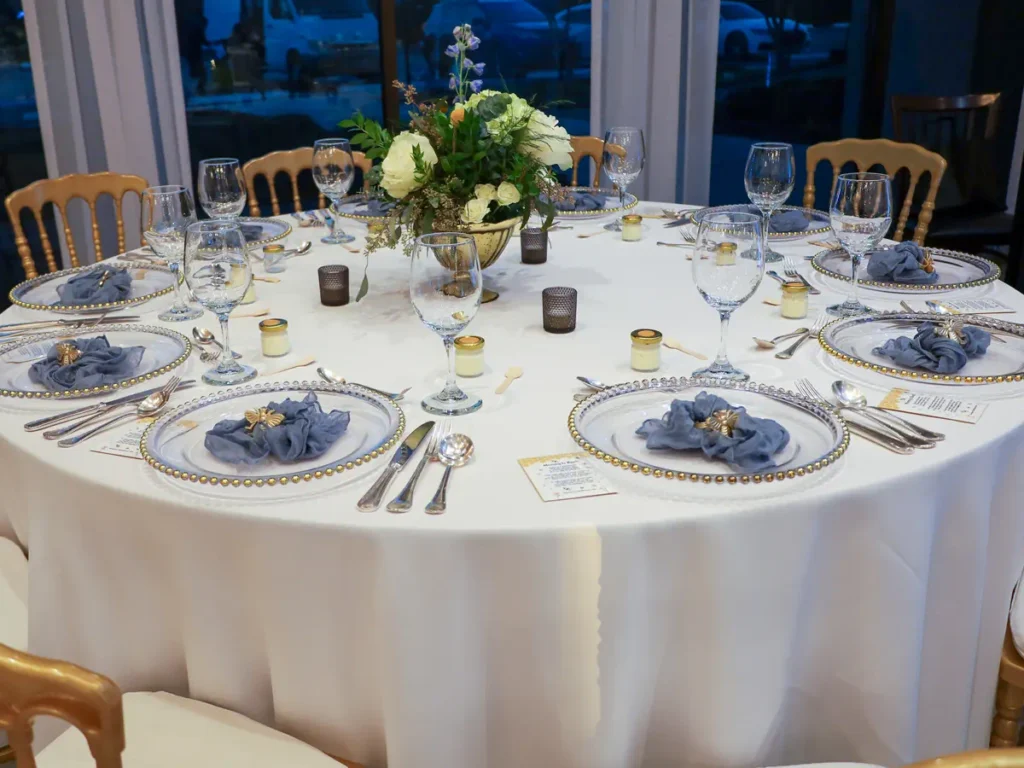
(820, 322)
(151, 405)
(451, 449)
(18, 330)
(318, 217)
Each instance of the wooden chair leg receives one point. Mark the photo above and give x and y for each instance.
(6, 755)
(1006, 721)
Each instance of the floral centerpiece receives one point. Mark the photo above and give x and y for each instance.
(477, 164)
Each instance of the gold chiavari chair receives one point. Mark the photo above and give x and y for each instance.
(979, 758)
(892, 156)
(88, 187)
(13, 610)
(592, 147)
(152, 730)
(1009, 696)
(292, 162)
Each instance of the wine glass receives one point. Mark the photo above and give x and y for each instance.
(333, 172)
(445, 287)
(724, 280)
(860, 214)
(769, 178)
(221, 187)
(218, 271)
(622, 159)
(166, 213)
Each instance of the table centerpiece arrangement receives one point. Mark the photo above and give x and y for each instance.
(479, 164)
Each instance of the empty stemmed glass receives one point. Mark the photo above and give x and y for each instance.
(333, 172)
(166, 213)
(218, 272)
(724, 280)
(769, 179)
(445, 287)
(860, 213)
(221, 187)
(622, 158)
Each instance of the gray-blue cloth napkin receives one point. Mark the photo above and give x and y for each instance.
(753, 442)
(251, 232)
(788, 221)
(305, 433)
(900, 264)
(85, 288)
(98, 364)
(582, 201)
(936, 353)
(373, 207)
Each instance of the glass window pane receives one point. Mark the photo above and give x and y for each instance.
(267, 75)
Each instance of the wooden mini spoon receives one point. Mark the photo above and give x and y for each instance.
(674, 344)
(297, 364)
(511, 375)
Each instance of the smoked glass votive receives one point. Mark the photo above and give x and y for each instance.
(534, 242)
(559, 310)
(333, 285)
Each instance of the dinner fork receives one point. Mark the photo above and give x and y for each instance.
(884, 438)
(819, 323)
(403, 501)
(789, 267)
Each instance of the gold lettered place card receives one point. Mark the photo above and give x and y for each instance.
(940, 406)
(565, 476)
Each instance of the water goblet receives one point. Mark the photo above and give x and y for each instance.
(221, 187)
(769, 178)
(445, 286)
(166, 213)
(724, 281)
(333, 172)
(623, 159)
(860, 214)
(218, 271)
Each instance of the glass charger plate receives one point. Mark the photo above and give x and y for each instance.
(165, 349)
(355, 207)
(956, 270)
(173, 444)
(611, 204)
(853, 339)
(605, 425)
(148, 281)
(269, 230)
(817, 221)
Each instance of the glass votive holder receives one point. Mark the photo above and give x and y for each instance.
(559, 310)
(534, 243)
(333, 285)
(274, 258)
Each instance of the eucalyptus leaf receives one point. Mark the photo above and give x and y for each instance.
(364, 287)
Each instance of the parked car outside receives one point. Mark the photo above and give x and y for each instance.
(743, 30)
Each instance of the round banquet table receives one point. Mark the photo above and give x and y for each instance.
(858, 616)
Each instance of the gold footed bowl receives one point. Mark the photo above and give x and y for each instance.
(491, 240)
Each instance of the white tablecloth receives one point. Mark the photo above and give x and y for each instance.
(859, 618)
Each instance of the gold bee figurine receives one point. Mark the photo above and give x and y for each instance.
(264, 416)
(722, 421)
(927, 264)
(952, 330)
(67, 353)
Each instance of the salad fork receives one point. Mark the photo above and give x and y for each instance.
(403, 501)
(884, 438)
(819, 323)
(789, 267)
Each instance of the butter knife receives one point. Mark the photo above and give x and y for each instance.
(373, 497)
(88, 410)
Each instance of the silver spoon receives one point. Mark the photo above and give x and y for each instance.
(454, 451)
(205, 336)
(147, 407)
(850, 396)
(304, 246)
(332, 378)
(770, 343)
(592, 383)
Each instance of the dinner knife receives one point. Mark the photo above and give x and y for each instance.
(87, 410)
(373, 497)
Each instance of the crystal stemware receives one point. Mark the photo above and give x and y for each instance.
(166, 213)
(769, 178)
(218, 271)
(333, 172)
(445, 286)
(221, 187)
(728, 264)
(623, 159)
(860, 214)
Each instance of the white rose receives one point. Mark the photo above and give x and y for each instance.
(400, 169)
(475, 210)
(547, 141)
(508, 194)
(485, 191)
(516, 114)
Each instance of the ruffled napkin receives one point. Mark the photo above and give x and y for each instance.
(788, 221)
(85, 288)
(98, 364)
(581, 201)
(304, 432)
(933, 352)
(373, 207)
(686, 427)
(251, 232)
(904, 263)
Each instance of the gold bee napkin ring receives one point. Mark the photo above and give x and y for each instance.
(264, 416)
(67, 353)
(720, 421)
(952, 330)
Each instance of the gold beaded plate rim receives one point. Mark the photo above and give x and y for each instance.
(95, 331)
(265, 220)
(79, 309)
(751, 208)
(631, 202)
(825, 336)
(356, 216)
(838, 427)
(978, 261)
(273, 480)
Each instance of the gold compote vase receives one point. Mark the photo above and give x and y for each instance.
(491, 240)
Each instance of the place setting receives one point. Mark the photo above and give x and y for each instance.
(96, 288)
